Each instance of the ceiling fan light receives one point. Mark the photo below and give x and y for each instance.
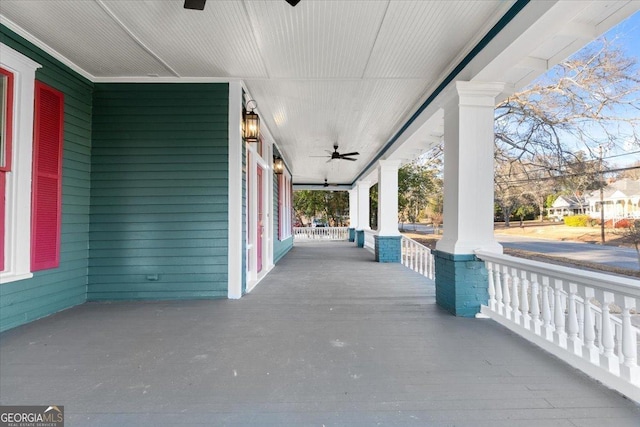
(293, 2)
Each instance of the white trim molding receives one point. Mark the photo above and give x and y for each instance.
(18, 187)
(234, 261)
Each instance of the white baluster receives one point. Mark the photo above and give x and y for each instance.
(524, 300)
(498, 283)
(546, 310)
(535, 305)
(559, 335)
(608, 360)
(629, 367)
(589, 349)
(491, 289)
(574, 343)
(515, 298)
(506, 295)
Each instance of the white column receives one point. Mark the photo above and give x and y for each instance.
(388, 197)
(234, 284)
(363, 205)
(468, 169)
(353, 208)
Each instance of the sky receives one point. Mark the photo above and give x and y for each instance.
(627, 35)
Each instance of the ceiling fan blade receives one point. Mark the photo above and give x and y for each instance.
(194, 4)
(355, 153)
(293, 2)
(348, 158)
(328, 160)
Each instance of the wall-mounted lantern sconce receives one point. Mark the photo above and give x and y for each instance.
(278, 165)
(251, 123)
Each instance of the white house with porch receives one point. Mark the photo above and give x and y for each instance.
(621, 200)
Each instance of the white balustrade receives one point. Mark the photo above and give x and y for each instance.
(320, 233)
(417, 257)
(370, 240)
(583, 317)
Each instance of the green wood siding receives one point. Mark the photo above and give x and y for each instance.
(159, 195)
(55, 289)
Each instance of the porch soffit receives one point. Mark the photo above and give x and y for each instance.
(350, 72)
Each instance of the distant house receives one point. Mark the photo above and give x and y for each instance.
(621, 200)
(567, 205)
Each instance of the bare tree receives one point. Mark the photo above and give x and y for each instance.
(589, 101)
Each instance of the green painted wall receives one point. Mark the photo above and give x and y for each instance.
(280, 247)
(159, 191)
(53, 290)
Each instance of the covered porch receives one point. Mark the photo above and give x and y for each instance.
(330, 337)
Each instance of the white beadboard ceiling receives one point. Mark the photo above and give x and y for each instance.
(325, 71)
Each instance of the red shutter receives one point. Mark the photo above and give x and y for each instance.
(3, 191)
(46, 207)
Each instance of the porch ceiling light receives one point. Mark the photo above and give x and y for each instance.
(251, 123)
(278, 165)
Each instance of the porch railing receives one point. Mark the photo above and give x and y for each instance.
(320, 233)
(417, 257)
(582, 317)
(370, 240)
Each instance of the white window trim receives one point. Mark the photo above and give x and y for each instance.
(286, 207)
(18, 191)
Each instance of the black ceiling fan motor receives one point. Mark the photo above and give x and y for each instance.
(199, 4)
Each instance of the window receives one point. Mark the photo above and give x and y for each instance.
(46, 217)
(6, 119)
(6, 135)
(285, 215)
(18, 78)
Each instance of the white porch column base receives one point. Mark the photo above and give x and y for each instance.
(363, 205)
(468, 169)
(388, 197)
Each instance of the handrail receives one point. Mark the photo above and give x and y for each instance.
(583, 317)
(417, 257)
(320, 233)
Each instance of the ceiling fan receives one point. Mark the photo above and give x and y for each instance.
(335, 155)
(199, 4)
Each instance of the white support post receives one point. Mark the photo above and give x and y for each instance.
(363, 205)
(388, 197)
(468, 169)
(234, 283)
(353, 208)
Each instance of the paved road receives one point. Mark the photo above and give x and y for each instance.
(608, 255)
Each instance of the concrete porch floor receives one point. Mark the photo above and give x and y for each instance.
(328, 338)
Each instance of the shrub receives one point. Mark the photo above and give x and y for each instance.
(577, 220)
(624, 223)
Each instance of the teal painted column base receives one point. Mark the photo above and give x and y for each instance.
(352, 234)
(461, 283)
(360, 238)
(388, 248)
